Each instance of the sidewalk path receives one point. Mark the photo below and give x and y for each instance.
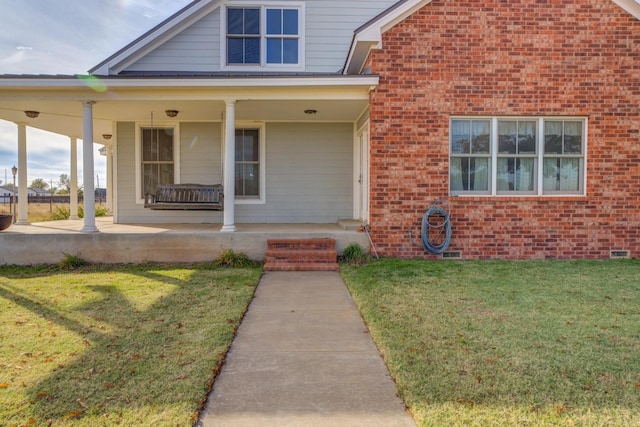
(303, 357)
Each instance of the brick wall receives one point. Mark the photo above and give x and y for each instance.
(512, 58)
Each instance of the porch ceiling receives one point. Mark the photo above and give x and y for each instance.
(59, 101)
(65, 117)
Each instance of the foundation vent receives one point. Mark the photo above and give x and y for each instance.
(619, 254)
(452, 255)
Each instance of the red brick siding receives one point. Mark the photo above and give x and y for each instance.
(488, 57)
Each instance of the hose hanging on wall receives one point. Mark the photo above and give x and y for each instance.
(436, 227)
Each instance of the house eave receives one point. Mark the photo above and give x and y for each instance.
(154, 37)
(102, 84)
(369, 35)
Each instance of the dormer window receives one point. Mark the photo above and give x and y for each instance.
(263, 36)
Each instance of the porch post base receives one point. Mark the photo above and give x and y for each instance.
(22, 222)
(89, 229)
(228, 228)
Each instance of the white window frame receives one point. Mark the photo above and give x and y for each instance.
(262, 136)
(538, 190)
(139, 197)
(263, 6)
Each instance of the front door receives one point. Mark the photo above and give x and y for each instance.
(361, 175)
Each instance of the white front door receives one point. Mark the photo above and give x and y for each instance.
(361, 174)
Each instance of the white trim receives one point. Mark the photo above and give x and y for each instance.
(362, 162)
(139, 199)
(262, 135)
(263, 5)
(16, 84)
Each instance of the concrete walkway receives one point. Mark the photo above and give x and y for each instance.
(303, 357)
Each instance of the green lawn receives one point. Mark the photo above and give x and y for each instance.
(529, 343)
(115, 345)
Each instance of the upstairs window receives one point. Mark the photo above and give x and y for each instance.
(263, 37)
(243, 36)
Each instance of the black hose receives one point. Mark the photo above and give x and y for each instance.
(436, 228)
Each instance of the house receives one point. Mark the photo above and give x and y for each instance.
(522, 115)
(37, 192)
(5, 195)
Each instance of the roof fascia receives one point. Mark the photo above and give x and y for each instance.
(369, 36)
(631, 6)
(155, 37)
(16, 84)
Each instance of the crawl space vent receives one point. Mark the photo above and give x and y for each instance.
(619, 254)
(452, 255)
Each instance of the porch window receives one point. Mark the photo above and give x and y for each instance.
(247, 164)
(157, 158)
(517, 156)
(263, 36)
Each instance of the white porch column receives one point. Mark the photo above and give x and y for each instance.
(73, 180)
(23, 190)
(109, 183)
(229, 167)
(87, 168)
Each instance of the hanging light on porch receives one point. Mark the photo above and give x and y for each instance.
(32, 114)
(171, 113)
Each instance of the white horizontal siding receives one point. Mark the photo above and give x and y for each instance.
(308, 174)
(329, 27)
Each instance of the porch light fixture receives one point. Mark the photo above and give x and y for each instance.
(310, 111)
(171, 113)
(106, 136)
(32, 114)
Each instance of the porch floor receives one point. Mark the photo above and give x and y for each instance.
(49, 242)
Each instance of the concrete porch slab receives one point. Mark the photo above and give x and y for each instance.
(48, 242)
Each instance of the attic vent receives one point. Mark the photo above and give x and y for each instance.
(619, 254)
(452, 255)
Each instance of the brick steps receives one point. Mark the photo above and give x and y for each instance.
(301, 255)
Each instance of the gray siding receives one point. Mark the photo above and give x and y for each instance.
(200, 162)
(329, 29)
(197, 49)
(308, 176)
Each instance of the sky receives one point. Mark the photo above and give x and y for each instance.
(65, 37)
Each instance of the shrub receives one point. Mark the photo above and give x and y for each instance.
(71, 262)
(63, 212)
(229, 258)
(354, 254)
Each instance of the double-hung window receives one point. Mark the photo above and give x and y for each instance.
(517, 156)
(247, 164)
(263, 36)
(158, 158)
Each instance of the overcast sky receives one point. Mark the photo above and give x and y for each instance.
(65, 37)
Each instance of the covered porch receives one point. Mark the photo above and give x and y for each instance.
(313, 160)
(49, 242)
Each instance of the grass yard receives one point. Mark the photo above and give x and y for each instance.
(40, 212)
(115, 345)
(529, 343)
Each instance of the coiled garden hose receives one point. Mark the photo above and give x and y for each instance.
(436, 227)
